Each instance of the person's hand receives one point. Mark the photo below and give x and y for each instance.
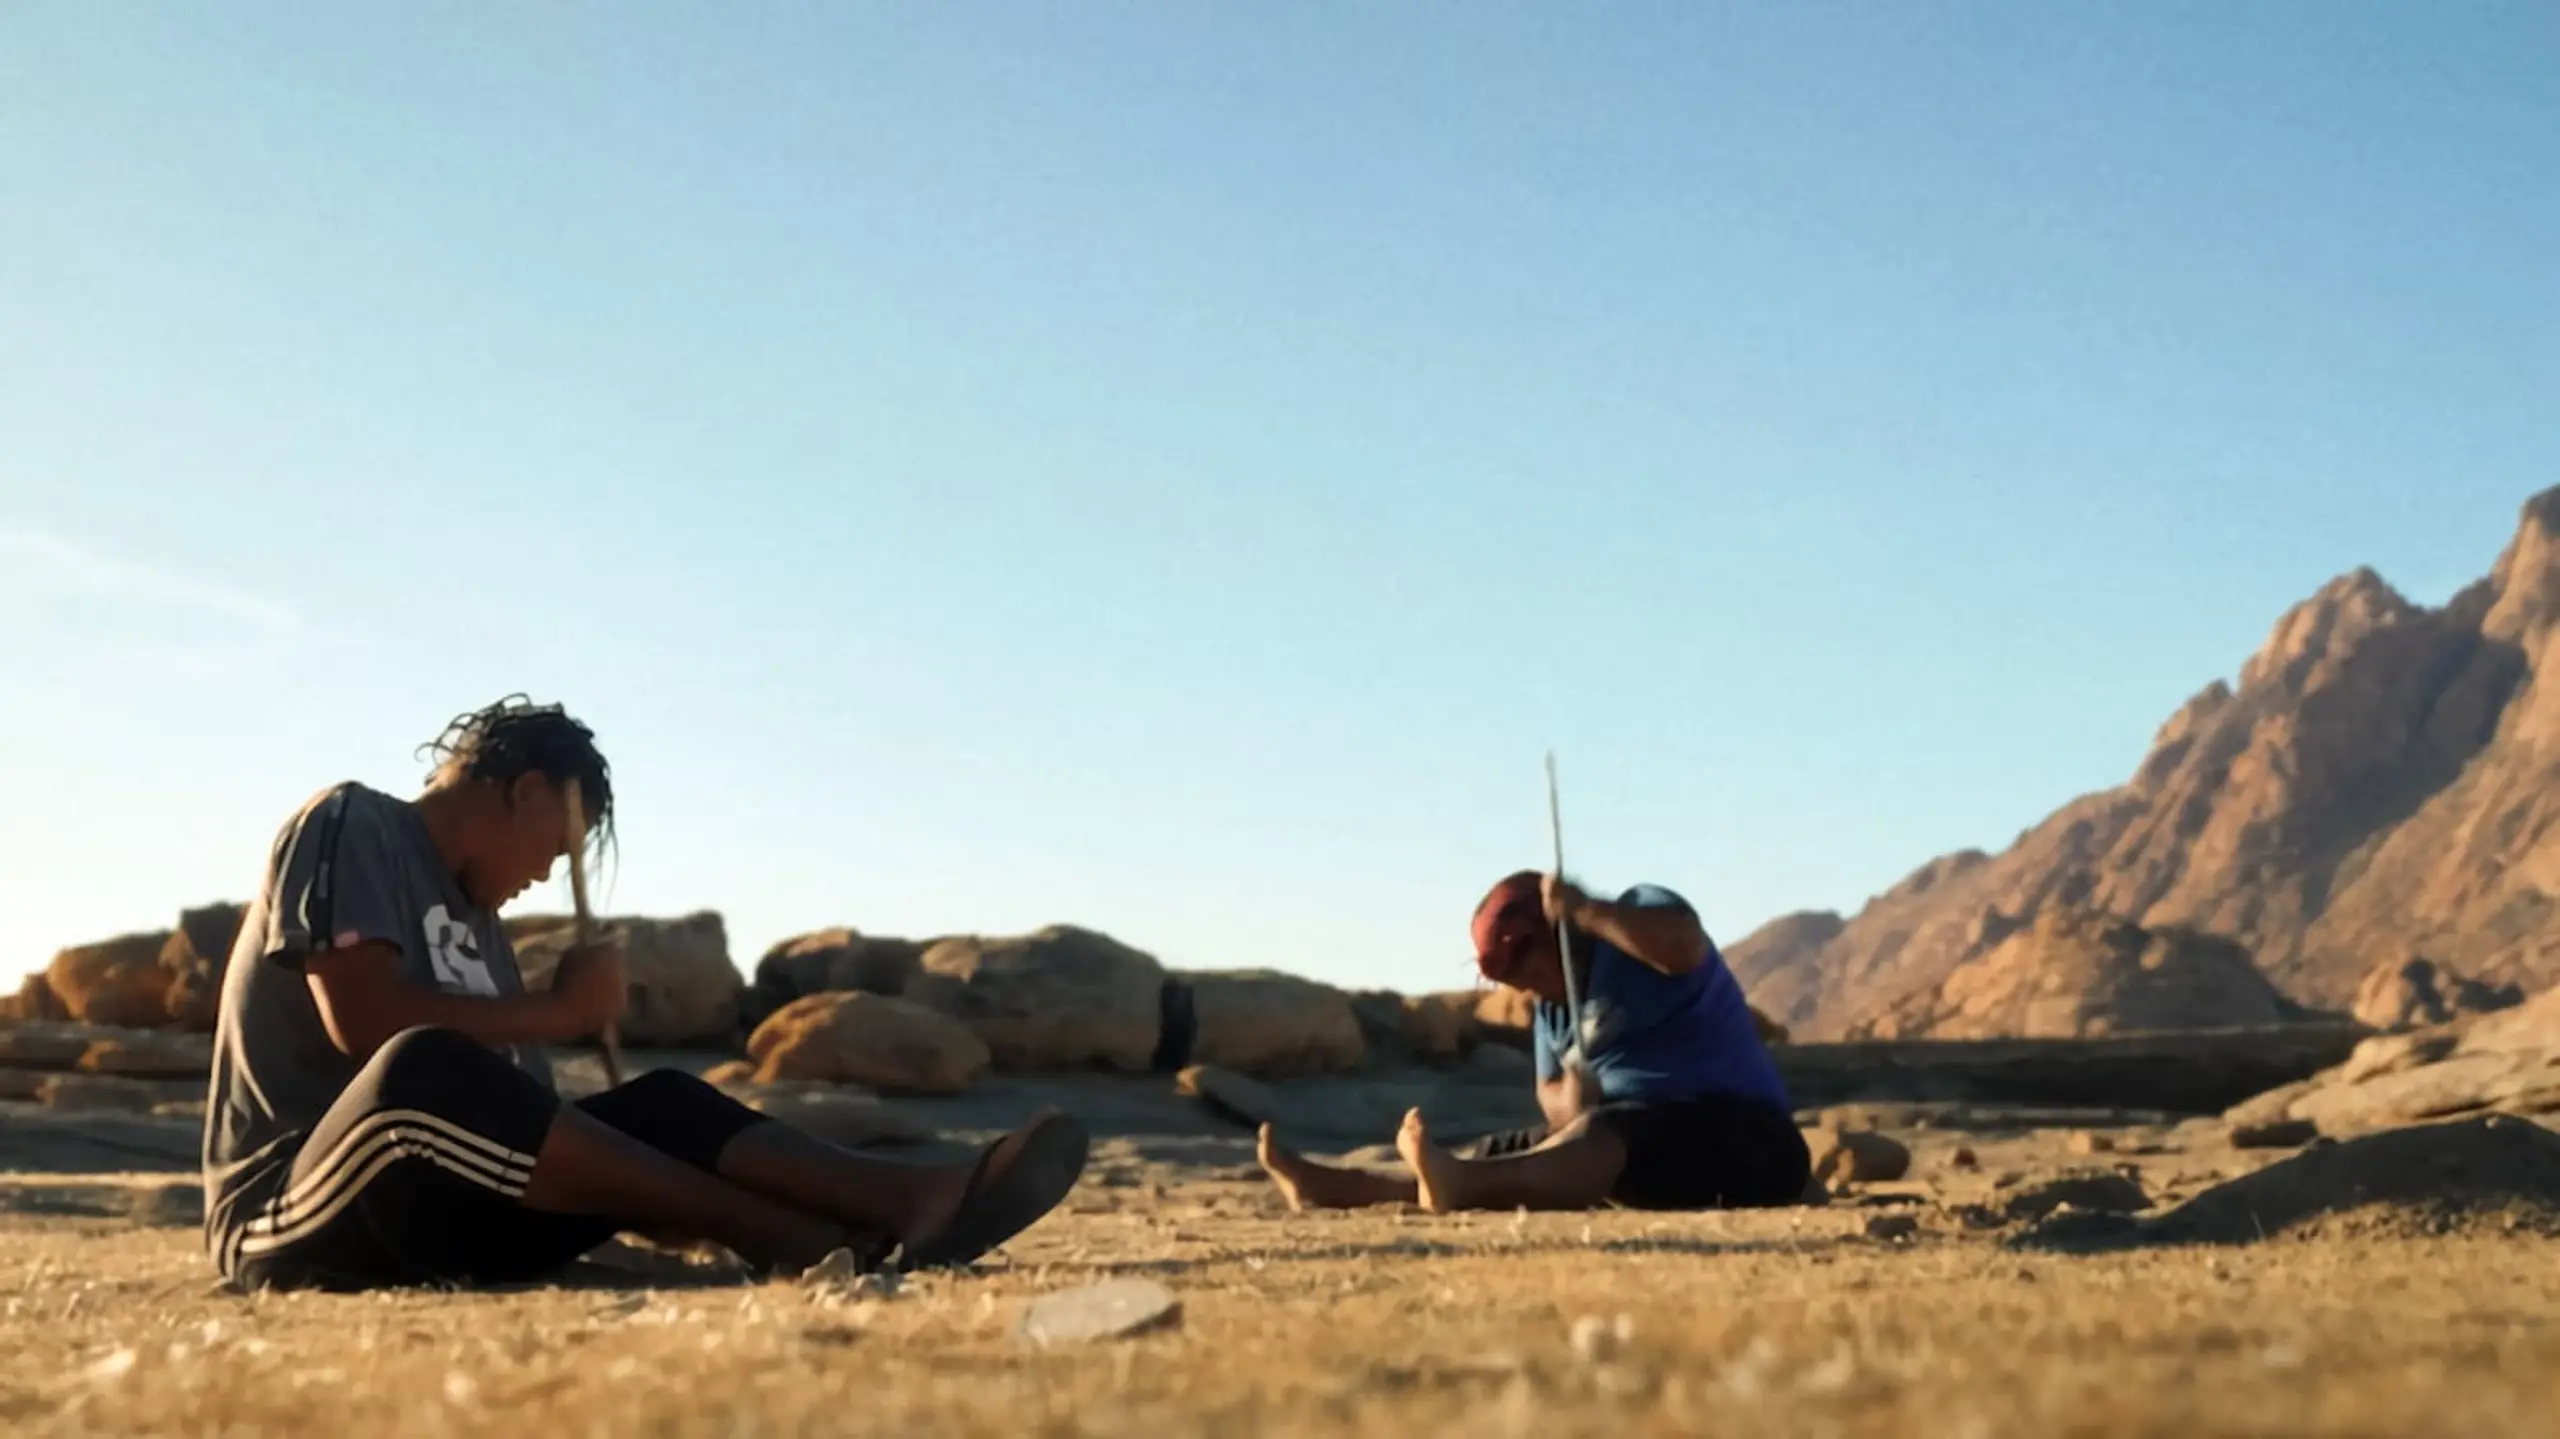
(1576, 1089)
(590, 987)
(1564, 902)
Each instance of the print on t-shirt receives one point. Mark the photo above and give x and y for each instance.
(455, 956)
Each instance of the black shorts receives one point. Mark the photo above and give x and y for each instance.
(1711, 1152)
(417, 1173)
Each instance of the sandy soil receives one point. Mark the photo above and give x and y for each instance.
(1796, 1321)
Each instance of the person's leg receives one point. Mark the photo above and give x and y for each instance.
(1573, 1167)
(1711, 1152)
(924, 1207)
(1309, 1185)
(588, 1167)
(442, 1162)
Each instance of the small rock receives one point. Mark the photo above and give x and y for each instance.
(1857, 1157)
(2087, 1142)
(111, 1368)
(1892, 1226)
(1108, 1310)
(2279, 1134)
(1597, 1341)
(841, 1266)
(1964, 1158)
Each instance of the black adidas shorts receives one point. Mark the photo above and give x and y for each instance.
(416, 1174)
(1712, 1152)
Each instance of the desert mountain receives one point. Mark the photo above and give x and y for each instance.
(2380, 785)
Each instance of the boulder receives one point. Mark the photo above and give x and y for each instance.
(35, 1001)
(1505, 1015)
(2414, 993)
(1432, 1029)
(829, 960)
(1437, 1028)
(1273, 1025)
(1062, 998)
(868, 1039)
(1856, 1156)
(116, 981)
(2506, 1061)
(193, 960)
(684, 990)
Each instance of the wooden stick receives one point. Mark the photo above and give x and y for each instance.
(576, 804)
(1564, 935)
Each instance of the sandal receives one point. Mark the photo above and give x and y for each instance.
(1020, 1178)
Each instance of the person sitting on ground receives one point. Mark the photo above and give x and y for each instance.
(1668, 1099)
(381, 1112)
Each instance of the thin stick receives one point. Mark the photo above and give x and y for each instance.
(1564, 934)
(576, 804)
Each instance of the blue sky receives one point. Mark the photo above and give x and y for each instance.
(1178, 468)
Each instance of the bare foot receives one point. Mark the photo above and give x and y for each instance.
(1286, 1169)
(1435, 1170)
(1309, 1185)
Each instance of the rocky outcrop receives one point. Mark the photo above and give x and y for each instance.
(194, 958)
(2384, 780)
(2506, 1062)
(35, 1000)
(2075, 974)
(867, 1039)
(1060, 999)
(1273, 1025)
(116, 981)
(830, 961)
(684, 990)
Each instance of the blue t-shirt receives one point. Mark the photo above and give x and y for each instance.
(1650, 1035)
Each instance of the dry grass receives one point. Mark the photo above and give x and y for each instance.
(1368, 1323)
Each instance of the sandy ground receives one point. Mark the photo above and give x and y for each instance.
(1793, 1322)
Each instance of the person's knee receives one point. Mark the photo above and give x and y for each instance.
(664, 1086)
(425, 1047)
(429, 1060)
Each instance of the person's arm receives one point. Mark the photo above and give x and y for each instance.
(363, 1000)
(1660, 931)
(1562, 1093)
(1563, 1099)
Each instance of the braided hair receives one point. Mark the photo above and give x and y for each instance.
(515, 737)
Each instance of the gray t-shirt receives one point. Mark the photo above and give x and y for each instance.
(353, 865)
